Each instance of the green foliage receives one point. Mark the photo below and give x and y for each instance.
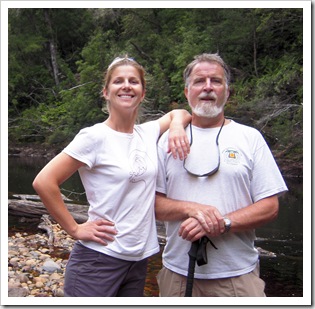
(264, 48)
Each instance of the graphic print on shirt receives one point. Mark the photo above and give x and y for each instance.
(139, 162)
(231, 156)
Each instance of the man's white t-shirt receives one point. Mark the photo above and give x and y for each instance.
(120, 180)
(247, 173)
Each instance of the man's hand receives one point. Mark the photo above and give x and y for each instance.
(191, 230)
(209, 217)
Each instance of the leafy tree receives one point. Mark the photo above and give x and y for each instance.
(57, 59)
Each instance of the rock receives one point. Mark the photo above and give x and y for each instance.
(23, 278)
(25, 251)
(18, 292)
(39, 284)
(44, 257)
(39, 279)
(35, 292)
(51, 266)
(14, 261)
(58, 293)
(13, 283)
(55, 276)
(30, 262)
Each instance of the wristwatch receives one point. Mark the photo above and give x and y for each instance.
(227, 224)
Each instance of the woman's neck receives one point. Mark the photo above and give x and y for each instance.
(120, 124)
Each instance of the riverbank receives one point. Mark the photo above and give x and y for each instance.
(37, 258)
(34, 150)
(37, 262)
(36, 267)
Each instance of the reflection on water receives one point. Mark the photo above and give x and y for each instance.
(22, 172)
(284, 237)
(283, 274)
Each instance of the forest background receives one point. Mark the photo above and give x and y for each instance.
(57, 59)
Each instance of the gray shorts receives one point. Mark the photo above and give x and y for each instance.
(93, 274)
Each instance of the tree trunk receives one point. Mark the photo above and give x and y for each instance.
(52, 47)
(255, 51)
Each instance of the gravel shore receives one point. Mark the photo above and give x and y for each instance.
(36, 263)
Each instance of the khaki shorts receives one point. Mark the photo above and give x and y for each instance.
(172, 284)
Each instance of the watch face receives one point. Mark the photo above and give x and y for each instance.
(227, 223)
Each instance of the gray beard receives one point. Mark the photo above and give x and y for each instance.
(207, 110)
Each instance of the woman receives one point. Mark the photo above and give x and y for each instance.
(117, 162)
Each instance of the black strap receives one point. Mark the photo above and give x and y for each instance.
(202, 257)
(197, 252)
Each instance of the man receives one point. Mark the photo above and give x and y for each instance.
(226, 187)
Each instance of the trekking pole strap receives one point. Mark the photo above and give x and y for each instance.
(197, 252)
(202, 257)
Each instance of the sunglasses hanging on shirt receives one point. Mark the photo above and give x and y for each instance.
(213, 171)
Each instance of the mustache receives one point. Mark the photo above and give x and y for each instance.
(208, 96)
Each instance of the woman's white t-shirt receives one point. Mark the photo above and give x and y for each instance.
(120, 180)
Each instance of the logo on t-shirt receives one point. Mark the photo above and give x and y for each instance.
(231, 156)
(141, 166)
(138, 166)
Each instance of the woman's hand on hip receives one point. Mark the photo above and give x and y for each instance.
(100, 231)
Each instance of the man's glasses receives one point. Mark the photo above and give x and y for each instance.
(212, 172)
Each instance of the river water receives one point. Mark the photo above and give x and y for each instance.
(282, 272)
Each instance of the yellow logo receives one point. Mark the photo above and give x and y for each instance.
(231, 156)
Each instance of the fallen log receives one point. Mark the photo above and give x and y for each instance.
(33, 197)
(35, 209)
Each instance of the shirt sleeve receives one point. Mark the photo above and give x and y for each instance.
(162, 155)
(267, 179)
(83, 147)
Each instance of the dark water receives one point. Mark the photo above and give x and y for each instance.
(283, 274)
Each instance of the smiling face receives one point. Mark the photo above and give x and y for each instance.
(207, 90)
(124, 88)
